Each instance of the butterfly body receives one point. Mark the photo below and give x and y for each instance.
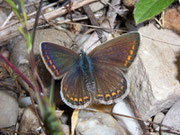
(94, 77)
(85, 66)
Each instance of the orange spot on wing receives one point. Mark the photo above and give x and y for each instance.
(118, 91)
(107, 95)
(86, 97)
(113, 93)
(100, 95)
(125, 64)
(54, 67)
(80, 99)
(50, 61)
(75, 99)
(131, 52)
(47, 57)
(133, 46)
(129, 57)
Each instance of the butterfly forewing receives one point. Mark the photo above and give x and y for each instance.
(119, 52)
(73, 90)
(57, 59)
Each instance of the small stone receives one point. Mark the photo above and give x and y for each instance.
(158, 119)
(8, 108)
(29, 121)
(96, 123)
(172, 118)
(129, 124)
(24, 101)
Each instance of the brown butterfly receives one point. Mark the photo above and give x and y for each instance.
(93, 77)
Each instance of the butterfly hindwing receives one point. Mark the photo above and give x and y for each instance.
(73, 90)
(57, 59)
(119, 52)
(111, 85)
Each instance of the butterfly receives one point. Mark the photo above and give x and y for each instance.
(96, 77)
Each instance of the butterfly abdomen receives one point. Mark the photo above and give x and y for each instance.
(86, 68)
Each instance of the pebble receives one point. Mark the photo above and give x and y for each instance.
(131, 125)
(158, 119)
(96, 123)
(8, 108)
(24, 101)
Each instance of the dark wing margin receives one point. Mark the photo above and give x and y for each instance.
(119, 52)
(57, 59)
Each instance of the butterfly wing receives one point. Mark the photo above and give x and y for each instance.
(111, 85)
(57, 59)
(73, 90)
(119, 52)
(107, 62)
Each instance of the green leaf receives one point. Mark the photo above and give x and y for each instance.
(146, 9)
(28, 42)
(14, 7)
(21, 31)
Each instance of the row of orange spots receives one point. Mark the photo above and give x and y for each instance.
(113, 93)
(76, 99)
(52, 65)
(129, 56)
(108, 95)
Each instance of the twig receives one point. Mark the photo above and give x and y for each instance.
(94, 22)
(141, 123)
(17, 71)
(160, 40)
(7, 20)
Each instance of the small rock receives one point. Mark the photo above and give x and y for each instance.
(172, 118)
(158, 119)
(129, 124)
(29, 121)
(96, 123)
(8, 108)
(24, 101)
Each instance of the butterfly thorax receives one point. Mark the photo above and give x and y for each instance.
(87, 71)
